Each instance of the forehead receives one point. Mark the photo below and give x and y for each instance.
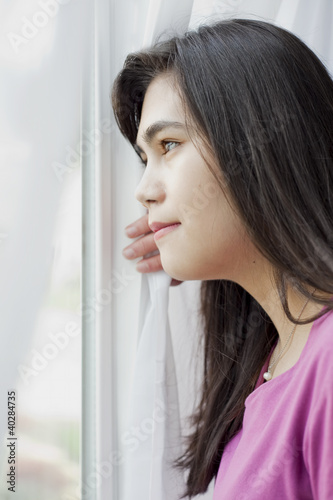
(161, 103)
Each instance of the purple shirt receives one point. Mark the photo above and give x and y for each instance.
(284, 450)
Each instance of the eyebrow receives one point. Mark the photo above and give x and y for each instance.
(153, 129)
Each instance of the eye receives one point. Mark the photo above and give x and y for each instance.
(169, 145)
(166, 146)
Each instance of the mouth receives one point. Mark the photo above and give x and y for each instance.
(165, 230)
(156, 226)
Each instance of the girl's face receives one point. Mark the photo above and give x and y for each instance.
(177, 187)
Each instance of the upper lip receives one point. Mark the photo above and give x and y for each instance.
(156, 226)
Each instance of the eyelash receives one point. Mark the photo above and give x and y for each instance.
(162, 144)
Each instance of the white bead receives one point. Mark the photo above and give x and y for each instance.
(267, 376)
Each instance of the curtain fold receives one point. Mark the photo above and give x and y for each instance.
(154, 420)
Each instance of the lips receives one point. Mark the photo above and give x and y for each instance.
(156, 226)
(165, 230)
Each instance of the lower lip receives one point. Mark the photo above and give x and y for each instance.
(164, 230)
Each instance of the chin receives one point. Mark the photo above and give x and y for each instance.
(180, 273)
(174, 273)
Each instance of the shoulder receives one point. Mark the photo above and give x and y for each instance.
(318, 432)
(315, 372)
(321, 337)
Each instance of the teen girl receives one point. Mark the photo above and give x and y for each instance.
(242, 112)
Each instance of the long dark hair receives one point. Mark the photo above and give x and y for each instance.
(263, 102)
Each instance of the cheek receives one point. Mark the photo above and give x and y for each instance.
(199, 203)
(223, 242)
(209, 245)
(217, 224)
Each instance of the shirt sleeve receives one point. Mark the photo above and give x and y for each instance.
(318, 438)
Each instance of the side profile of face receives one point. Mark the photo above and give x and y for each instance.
(177, 186)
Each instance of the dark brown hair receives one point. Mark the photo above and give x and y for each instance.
(263, 101)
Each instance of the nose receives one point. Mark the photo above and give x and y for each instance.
(150, 189)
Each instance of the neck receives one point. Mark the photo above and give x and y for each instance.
(261, 286)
